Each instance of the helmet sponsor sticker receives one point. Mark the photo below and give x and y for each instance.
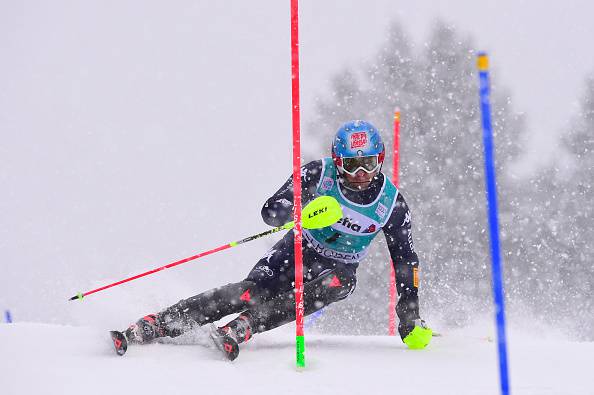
(359, 140)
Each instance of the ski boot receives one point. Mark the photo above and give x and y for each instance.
(145, 330)
(228, 337)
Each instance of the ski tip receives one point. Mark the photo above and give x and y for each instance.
(120, 343)
(230, 349)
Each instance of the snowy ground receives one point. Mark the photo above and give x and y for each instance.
(56, 359)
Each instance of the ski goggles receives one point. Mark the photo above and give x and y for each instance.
(368, 164)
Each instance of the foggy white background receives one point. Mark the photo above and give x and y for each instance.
(134, 133)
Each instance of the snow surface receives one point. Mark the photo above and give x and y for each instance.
(56, 359)
(114, 185)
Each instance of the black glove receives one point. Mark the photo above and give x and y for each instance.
(407, 328)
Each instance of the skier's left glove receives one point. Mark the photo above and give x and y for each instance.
(415, 334)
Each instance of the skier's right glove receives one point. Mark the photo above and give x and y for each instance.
(415, 334)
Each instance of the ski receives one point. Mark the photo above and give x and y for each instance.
(120, 343)
(224, 342)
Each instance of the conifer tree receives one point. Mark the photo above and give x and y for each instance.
(441, 169)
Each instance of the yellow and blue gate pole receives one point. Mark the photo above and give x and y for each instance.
(491, 186)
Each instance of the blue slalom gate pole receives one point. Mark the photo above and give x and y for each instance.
(491, 185)
(7, 317)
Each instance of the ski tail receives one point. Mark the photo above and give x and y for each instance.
(224, 342)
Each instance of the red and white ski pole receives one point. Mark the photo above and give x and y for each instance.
(321, 212)
(81, 295)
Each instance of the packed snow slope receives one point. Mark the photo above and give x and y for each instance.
(56, 359)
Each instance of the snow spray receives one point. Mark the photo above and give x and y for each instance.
(491, 186)
(312, 318)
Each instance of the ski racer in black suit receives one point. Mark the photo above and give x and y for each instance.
(265, 298)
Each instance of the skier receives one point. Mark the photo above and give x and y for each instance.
(331, 255)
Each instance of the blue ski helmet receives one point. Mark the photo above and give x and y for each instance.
(357, 139)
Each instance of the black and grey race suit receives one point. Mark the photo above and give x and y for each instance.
(267, 294)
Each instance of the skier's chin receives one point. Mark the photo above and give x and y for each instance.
(357, 185)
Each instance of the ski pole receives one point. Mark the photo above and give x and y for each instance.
(319, 213)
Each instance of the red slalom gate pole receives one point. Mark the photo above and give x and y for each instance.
(299, 308)
(396, 162)
(395, 180)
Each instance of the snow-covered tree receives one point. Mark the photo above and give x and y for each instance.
(559, 270)
(578, 272)
(441, 168)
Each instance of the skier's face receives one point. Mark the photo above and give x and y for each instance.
(360, 181)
